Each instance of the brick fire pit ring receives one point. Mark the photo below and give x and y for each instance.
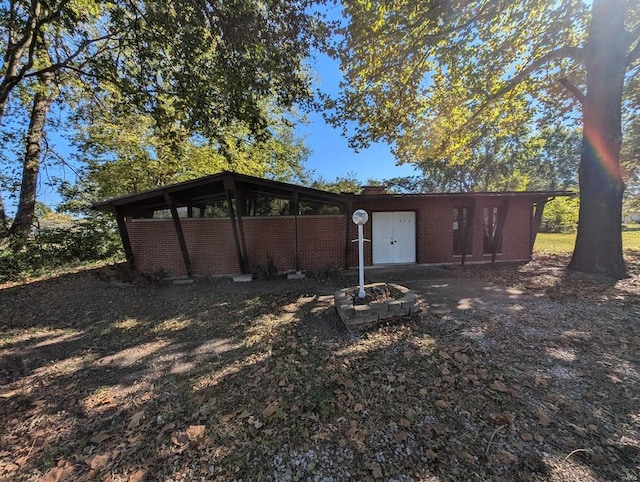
(359, 317)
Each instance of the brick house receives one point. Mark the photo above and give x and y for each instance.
(228, 223)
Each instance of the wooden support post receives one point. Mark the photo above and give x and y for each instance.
(468, 229)
(348, 224)
(294, 208)
(124, 235)
(177, 225)
(229, 187)
(497, 237)
(536, 220)
(240, 205)
(189, 211)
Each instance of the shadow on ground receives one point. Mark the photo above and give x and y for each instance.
(108, 378)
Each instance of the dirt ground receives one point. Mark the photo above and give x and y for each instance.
(511, 372)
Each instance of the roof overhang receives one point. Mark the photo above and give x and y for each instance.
(216, 187)
(211, 188)
(535, 195)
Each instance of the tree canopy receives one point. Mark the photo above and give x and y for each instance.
(123, 153)
(199, 69)
(431, 79)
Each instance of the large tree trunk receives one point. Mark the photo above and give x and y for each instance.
(42, 100)
(598, 246)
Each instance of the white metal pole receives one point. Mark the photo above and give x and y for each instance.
(361, 293)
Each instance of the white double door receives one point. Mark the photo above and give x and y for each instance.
(394, 237)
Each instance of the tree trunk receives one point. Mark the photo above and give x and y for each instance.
(598, 246)
(42, 100)
(3, 219)
(18, 55)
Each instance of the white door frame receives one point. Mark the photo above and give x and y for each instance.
(393, 237)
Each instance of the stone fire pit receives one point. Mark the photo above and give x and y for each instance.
(384, 302)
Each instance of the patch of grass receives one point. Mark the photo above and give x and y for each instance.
(555, 242)
(564, 242)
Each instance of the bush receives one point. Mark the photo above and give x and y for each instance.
(84, 241)
(561, 216)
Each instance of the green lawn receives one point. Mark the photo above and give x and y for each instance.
(563, 243)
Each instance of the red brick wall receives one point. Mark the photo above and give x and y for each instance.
(209, 242)
(212, 250)
(155, 246)
(211, 246)
(434, 227)
(321, 239)
(270, 236)
(517, 232)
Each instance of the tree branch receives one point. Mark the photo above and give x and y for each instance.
(65, 63)
(575, 53)
(577, 94)
(455, 28)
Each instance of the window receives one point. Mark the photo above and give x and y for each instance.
(490, 228)
(461, 231)
(266, 205)
(216, 209)
(308, 208)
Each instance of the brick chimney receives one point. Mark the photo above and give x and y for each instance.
(373, 190)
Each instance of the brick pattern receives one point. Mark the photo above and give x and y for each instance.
(212, 249)
(363, 317)
(211, 246)
(155, 246)
(434, 228)
(321, 239)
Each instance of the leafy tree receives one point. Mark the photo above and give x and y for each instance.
(561, 216)
(630, 161)
(433, 74)
(127, 152)
(546, 161)
(40, 41)
(348, 183)
(555, 167)
(204, 65)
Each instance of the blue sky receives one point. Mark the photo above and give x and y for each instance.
(331, 155)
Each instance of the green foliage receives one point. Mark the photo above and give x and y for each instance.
(347, 183)
(433, 80)
(547, 160)
(127, 151)
(86, 240)
(218, 61)
(470, 92)
(436, 81)
(630, 162)
(561, 216)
